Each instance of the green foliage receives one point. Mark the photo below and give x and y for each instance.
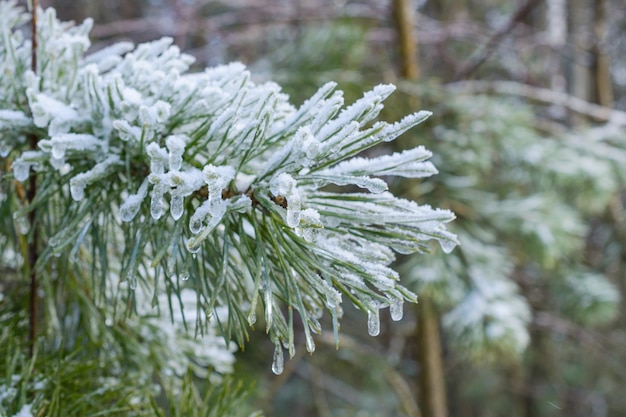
(204, 198)
(511, 186)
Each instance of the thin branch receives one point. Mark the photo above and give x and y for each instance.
(32, 216)
(577, 105)
(481, 55)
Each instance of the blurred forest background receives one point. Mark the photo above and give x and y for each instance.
(529, 134)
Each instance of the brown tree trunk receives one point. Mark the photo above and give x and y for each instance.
(432, 381)
(601, 72)
(427, 339)
(404, 15)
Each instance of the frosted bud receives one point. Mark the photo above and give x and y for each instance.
(176, 145)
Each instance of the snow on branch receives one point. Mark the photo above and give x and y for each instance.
(240, 170)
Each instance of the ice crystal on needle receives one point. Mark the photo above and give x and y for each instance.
(217, 165)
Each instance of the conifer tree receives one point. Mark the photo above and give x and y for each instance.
(172, 208)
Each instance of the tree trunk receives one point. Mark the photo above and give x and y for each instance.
(432, 381)
(404, 15)
(427, 339)
(601, 71)
(581, 80)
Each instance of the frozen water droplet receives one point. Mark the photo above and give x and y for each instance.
(21, 170)
(293, 214)
(22, 224)
(185, 276)
(373, 323)
(108, 322)
(156, 207)
(176, 206)
(128, 212)
(193, 246)
(132, 282)
(77, 189)
(195, 225)
(310, 343)
(396, 309)
(447, 245)
(54, 241)
(252, 318)
(4, 150)
(278, 362)
(58, 152)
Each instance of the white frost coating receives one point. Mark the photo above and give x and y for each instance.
(218, 178)
(126, 131)
(21, 168)
(45, 109)
(176, 145)
(131, 206)
(158, 156)
(409, 164)
(373, 322)
(391, 132)
(373, 185)
(13, 118)
(58, 145)
(82, 180)
(362, 111)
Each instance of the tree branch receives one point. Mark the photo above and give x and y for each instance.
(544, 95)
(481, 55)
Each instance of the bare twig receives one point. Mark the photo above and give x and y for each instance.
(577, 105)
(481, 55)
